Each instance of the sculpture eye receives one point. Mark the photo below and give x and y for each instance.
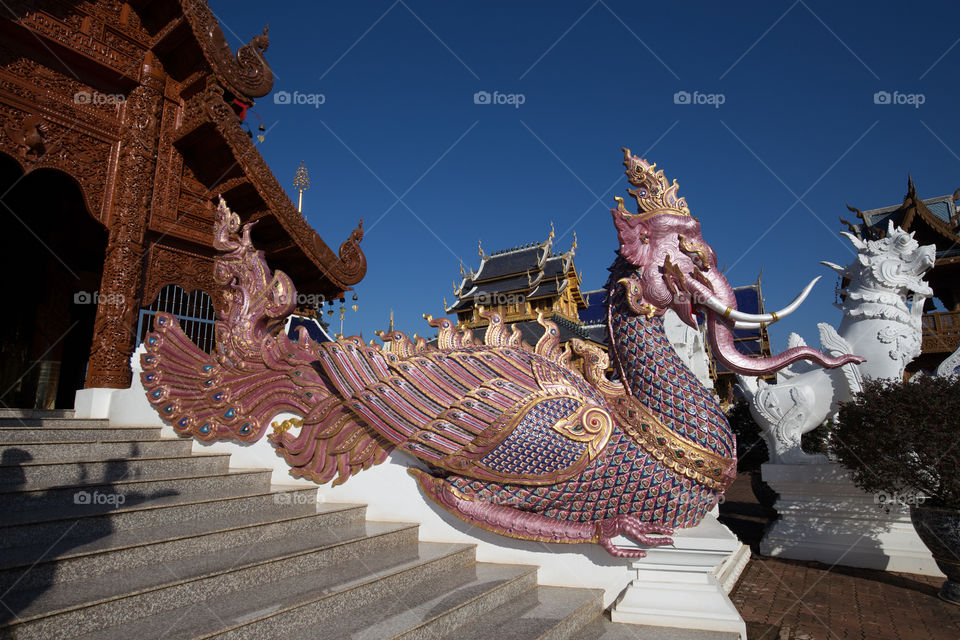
(696, 251)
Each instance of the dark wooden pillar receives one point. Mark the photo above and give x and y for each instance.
(114, 332)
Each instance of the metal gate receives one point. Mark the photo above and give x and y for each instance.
(194, 310)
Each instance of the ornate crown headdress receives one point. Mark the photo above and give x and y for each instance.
(653, 193)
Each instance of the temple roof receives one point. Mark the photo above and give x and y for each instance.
(512, 261)
(548, 288)
(530, 270)
(596, 311)
(939, 216)
(221, 86)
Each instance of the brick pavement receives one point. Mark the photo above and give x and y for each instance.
(798, 600)
(793, 599)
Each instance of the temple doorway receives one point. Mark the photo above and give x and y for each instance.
(52, 258)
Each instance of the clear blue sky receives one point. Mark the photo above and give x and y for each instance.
(400, 141)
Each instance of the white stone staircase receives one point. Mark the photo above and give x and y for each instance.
(113, 532)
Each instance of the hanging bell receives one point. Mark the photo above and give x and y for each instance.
(354, 307)
(355, 297)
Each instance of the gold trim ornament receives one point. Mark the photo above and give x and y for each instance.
(653, 193)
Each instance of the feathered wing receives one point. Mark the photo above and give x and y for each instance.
(506, 414)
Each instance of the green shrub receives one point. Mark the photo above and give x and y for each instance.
(903, 437)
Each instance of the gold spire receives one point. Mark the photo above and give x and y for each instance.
(444, 303)
(301, 182)
(461, 268)
(480, 248)
(551, 236)
(573, 247)
(391, 320)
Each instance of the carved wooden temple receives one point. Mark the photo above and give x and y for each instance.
(521, 282)
(121, 124)
(933, 221)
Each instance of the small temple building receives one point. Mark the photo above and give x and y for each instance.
(933, 221)
(121, 124)
(521, 282)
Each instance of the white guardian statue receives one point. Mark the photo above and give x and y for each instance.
(882, 298)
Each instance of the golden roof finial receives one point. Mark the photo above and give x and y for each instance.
(573, 247)
(444, 304)
(301, 182)
(391, 320)
(461, 268)
(551, 236)
(480, 248)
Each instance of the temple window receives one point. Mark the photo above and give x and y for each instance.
(194, 311)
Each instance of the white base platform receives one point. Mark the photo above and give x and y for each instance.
(678, 586)
(824, 517)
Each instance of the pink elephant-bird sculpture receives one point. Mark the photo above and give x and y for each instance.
(513, 439)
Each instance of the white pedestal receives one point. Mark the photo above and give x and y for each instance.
(678, 587)
(124, 407)
(824, 517)
(93, 403)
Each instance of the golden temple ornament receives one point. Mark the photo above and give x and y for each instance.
(301, 182)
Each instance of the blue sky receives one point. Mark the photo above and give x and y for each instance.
(400, 141)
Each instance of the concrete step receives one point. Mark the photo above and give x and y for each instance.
(98, 450)
(56, 423)
(74, 558)
(89, 521)
(543, 613)
(13, 434)
(36, 413)
(603, 629)
(428, 609)
(71, 609)
(236, 482)
(312, 598)
(46, 475)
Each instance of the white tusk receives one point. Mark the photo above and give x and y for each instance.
(754, 320)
